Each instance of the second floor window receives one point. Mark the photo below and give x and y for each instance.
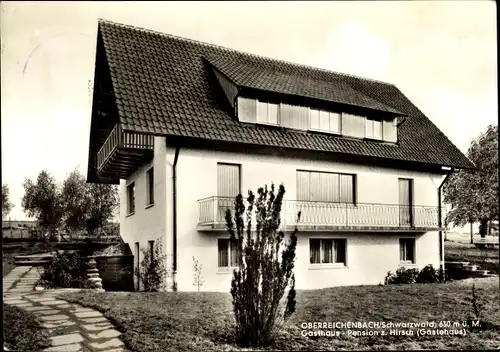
(326, 187)
(267, 113)
(131, 198)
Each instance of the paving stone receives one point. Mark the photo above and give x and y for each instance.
(64, 306)
(52, 302)
(20, 289)
(109, 333)
(13, 301)
(111, 343)
(97, 327)
(24, 305)
(37, 308)
(55, 317)
(74, 347)
(88, 314)
(43, 299)
(66, 339)
(58, 324)
(48, 312)
(95, 320)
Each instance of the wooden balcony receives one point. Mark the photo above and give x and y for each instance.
(123, 152)
(323, 216)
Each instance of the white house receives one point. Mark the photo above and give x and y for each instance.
(185, 126)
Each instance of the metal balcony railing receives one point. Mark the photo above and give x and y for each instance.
(212, 212)
(120, 139)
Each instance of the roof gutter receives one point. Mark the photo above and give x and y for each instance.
(440, 221)
(174, 210)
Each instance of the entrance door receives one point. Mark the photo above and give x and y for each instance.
(405, 202)
(228, 187)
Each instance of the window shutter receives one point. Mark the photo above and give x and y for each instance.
(247, 110)
(228, 180)
(390, 133)
(353, 125)
(294, 116)
(303, 192)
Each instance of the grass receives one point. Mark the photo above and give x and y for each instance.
(202, 321)
(9, 251)
(22, 330)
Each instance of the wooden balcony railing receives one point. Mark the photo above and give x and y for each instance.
(325, 215)
(119, 139)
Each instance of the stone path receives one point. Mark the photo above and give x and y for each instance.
(71, 327)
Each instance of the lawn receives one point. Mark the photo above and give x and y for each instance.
(201, 321)
(22, 330)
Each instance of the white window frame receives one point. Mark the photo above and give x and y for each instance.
(404, 261)
(369, 120)
(230, 267)
(334, 263)
(278, 108)
(329, 130)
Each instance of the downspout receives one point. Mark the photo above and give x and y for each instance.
(440, 222)
(174, 220)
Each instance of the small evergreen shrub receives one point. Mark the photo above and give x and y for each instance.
(65, 270)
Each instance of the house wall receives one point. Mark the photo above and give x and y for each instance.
(148, 222)
(370, 256)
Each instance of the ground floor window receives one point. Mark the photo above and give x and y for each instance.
(407, 250)
(327, 250)
(227, 253)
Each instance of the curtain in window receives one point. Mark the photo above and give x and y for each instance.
(314, 251)
(262, 112)
(340, 249)
(410, 248)
(223, 252)
(273, 113)
(327, 247)
(314, 119)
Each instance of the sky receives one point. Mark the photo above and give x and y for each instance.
(441, 55)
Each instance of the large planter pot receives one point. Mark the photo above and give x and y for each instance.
(116, 272)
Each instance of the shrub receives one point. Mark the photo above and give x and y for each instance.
(65, 270)
(429, 275)
(401, 276)
(152, 272)
(265, 267)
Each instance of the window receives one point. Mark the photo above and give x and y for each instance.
(228, 253)
(373, 128)
(325, 121)
(407, 250)
(131, 198)
(151, 249)
(326, 187)
(327, 251)
(267, 113)
(150, 183)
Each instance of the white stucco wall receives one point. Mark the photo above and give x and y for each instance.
(148, 222)
(370, 256)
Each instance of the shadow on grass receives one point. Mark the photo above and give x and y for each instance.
(22, 331)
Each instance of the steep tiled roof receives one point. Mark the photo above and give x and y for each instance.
(162, 86)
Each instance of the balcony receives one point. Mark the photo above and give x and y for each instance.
(322, 216)
(123, 152)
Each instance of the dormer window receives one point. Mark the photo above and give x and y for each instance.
(267, 113)
(373, 128)
(324, 121)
